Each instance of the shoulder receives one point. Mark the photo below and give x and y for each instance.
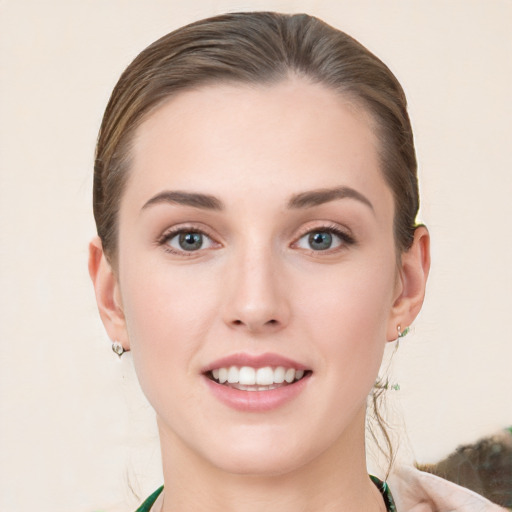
(417, 491)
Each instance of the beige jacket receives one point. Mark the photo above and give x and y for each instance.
(416, 491)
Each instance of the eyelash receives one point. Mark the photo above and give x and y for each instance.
(345, 238)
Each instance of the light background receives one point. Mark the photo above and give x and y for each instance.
(74, 428)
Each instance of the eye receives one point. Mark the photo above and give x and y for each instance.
(319, 241)
(324, 239)
(186, 240)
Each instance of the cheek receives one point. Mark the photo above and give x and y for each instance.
(356, 295)
(160, 301)
(167, 315)
(349, 318)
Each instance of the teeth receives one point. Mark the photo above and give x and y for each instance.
(279, 373)
(254, 388)
(247, 376)
(256, 379)
(289, 376)
(223, 375)
(265, 376)
(233, 375)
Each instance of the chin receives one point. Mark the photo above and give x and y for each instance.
(261, 454)
(261, 464)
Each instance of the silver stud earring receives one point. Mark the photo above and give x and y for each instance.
(118, 348)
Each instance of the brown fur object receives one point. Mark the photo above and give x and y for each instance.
(484, 467)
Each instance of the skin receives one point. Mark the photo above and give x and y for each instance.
(258, 286)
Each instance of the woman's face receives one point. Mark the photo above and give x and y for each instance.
(256, 231)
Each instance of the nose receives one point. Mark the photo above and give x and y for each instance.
(256, 300)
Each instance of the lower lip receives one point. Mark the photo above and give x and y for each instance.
(256, 401)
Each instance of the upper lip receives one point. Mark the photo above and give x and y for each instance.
(254, 361)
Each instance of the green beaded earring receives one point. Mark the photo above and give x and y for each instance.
(402, 334)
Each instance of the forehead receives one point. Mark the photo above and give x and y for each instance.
(267, 139)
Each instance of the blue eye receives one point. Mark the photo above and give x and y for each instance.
(190, 241)
(320, 241)
(187, 241)
(324, 239)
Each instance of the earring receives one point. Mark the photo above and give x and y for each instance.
(118, 348)
(400, 333)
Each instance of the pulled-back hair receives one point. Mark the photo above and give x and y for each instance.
(255, 48)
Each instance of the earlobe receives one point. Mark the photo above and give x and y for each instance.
(108, 297)
(413, 274)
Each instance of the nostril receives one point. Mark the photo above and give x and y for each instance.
(238, 322)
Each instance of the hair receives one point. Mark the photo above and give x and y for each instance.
(257, 48)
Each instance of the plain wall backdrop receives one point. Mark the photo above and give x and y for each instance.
(75, 431)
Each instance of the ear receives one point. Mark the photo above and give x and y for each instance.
(108, 296)
(411, 283)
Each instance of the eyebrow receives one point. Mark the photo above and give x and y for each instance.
(194, 199)
(325, 195)
(307, 199)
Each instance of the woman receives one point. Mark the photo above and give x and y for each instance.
(255, 197)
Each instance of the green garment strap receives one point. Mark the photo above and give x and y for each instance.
(382, 486)
(386, 493)
(146, 506)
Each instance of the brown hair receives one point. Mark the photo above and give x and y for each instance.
(261, 48)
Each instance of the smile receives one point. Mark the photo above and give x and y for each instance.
(256, 383)
(248, 378)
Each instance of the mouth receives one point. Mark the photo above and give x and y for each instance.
(249, 378)
(256, 383)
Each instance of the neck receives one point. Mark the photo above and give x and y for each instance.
(335, 480)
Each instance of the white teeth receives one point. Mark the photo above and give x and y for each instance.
(265, 376)
(254, 388)
(223, 375)
(233, 375)
(247, 376)
(245, 388)
(289, 376)
(279, 373)
(253, 379)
